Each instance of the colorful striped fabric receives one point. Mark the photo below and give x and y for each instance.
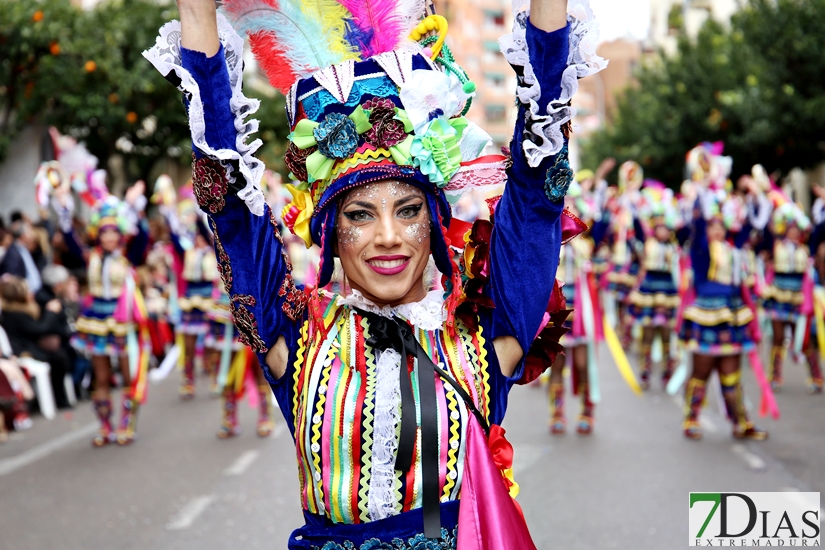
(334, 410)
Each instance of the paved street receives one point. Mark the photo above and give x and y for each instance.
(179, 487)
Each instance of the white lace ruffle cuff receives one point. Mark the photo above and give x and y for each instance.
(544, 132)
(165, 56)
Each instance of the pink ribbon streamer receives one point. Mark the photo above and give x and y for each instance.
(488, 518)
(768, 403)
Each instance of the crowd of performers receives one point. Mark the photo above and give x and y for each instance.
(694, 282)
(699, 278)
(153, 298)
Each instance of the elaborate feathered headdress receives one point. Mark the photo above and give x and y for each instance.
(109, 213)
(659, 206)
(787, 214)
(370, 97)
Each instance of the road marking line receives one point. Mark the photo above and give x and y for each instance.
(189, 513)
(754, 462)
(242, 463)
(9, 465)
(525, 457)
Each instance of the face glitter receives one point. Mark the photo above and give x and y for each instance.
(417, 232)
(383, 205)
(349, 236)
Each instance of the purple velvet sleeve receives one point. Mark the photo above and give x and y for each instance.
(252, 260)
(526, 239)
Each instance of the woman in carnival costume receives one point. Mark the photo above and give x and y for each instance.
(112, 322)
(235, 363)
(623, 273)
(654, 303)
(584, 325)
(788, 296)
(196, 274)
(719, 323)
(378, 138)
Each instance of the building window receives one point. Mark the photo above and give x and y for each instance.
(494, 81)
(493, 20)
(495, 113)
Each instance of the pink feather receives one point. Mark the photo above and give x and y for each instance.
(384, 20)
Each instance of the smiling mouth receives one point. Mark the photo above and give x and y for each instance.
(388, 266)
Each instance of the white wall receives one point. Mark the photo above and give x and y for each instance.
(17, 173)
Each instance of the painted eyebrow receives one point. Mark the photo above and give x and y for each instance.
(408, 198)
(361, 204)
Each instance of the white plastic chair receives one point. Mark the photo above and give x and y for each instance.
(37, 370)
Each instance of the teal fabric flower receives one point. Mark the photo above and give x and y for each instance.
(436, 150)
(337, 136)
(559, 177)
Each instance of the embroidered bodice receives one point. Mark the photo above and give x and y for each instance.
(200, 265)
(107, 274)
(659, 256)
(789, 257)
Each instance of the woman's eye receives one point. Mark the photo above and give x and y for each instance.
(409, 212)
(358, 216)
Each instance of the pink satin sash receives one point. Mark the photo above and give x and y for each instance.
(488, 518)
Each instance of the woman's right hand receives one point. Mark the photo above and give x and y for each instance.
(199, 26)
(54, 306)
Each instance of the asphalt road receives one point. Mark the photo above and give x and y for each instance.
(179, 487)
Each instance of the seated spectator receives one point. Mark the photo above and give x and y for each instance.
(34, 333)
(60, 284)
(15, 390)
(18, 260)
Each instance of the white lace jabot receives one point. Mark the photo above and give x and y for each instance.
(428, 314)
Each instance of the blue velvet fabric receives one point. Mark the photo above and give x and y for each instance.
(524, 249)
(212, 77)
(319, 531)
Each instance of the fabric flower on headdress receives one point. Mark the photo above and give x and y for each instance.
(387, 131)
(436, 151)
(427, 96)
(295, 159)
(298, 214)
(336, 138)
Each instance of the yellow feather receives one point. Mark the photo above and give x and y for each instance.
(333, 18)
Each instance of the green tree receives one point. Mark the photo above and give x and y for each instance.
(98, 87)
(30, 34)
(756, 86)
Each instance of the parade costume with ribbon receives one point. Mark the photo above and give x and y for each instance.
(238, 372)
(113, 320)
(361, 380)
(788, 297)
(720, 317)
(654, 303)
(583, 325)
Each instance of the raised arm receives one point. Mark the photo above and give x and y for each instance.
(526, 239)
(206, 64)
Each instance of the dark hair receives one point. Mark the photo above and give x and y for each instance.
(15, 216)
